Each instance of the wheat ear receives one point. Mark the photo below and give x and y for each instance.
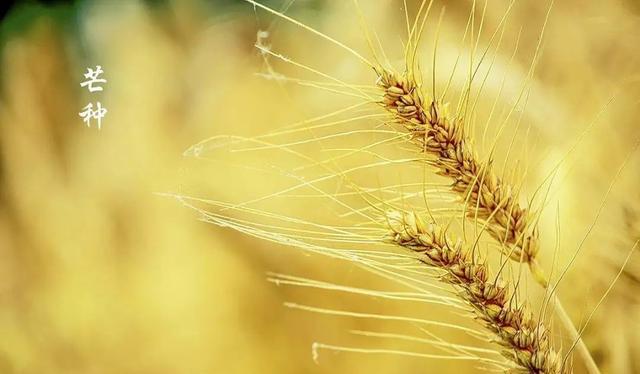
(632, 223)
(526, 341)
(488, 197)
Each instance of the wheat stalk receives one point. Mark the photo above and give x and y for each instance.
(487, 196)
(526, 341)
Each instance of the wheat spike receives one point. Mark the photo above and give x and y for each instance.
(526, 341)
(488, 197)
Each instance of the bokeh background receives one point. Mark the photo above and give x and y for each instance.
(100, 273)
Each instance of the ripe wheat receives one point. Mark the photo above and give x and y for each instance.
(526, 341)
(487, 197)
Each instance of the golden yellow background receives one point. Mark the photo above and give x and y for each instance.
(101, 274)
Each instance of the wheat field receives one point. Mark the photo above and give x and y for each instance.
(308, 186)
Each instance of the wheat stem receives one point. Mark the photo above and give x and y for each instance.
(589, 362)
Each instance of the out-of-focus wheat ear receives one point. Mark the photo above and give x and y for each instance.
(487, 197)
(526, 342)
(632, 223)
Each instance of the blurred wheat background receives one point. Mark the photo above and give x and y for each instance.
(100, 273)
